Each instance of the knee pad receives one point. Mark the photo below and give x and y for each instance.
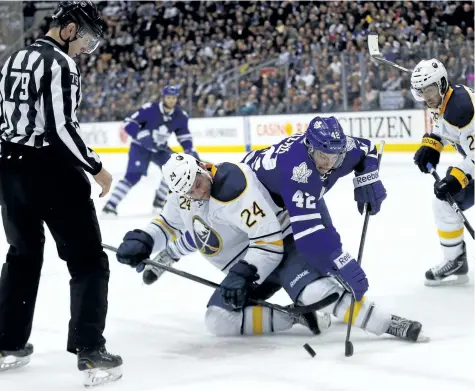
(133, 177)
(318, 290)
(221, 322)
(366, 314)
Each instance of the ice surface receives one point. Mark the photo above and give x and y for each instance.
(159, 329)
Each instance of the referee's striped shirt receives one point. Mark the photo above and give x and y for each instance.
(40, 91)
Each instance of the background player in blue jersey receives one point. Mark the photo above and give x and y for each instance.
(150, 127)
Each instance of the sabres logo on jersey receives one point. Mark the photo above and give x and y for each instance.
(207, 240)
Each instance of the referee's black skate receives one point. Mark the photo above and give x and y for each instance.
(449, 272)
(11, 359)
(406, 329)
(99, 366)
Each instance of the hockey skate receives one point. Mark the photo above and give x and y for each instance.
(109, 211)
(406, 329)
(99, 366)
(152, 273)
(316, 322)
(12, 359)
(449, 272)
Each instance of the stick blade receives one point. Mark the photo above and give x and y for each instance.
(348, 348)
(373, 45)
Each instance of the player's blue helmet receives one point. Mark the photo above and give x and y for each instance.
(170, 90)
(326, 141)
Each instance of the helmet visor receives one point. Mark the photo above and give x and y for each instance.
(201, 188)
(88, 40)
(326, 161)
(428, 93)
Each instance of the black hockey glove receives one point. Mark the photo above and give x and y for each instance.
(454, 182)
(136, 246)
(237, 284)
(428, 152)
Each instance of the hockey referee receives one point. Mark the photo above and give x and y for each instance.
(42, 180)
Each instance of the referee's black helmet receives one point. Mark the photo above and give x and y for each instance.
(85, 15)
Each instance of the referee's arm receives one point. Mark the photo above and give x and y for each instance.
(60, 101)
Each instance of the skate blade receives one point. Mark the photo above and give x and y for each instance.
(421, 338)
(448, 281)
(109, 216)
(99, 376)
(12, 362)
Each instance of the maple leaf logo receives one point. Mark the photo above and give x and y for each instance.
(301, 173)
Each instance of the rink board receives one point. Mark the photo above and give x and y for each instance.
(402, 131)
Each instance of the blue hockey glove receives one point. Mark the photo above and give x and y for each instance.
(136, 246)
(144, 137)
(193, 153)
(428, 152)
(237, 284)
(351, 275)
(369, 189)
(454, 182)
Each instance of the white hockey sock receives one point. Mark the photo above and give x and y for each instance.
(254, 320)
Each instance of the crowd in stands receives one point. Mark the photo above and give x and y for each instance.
(263, 57)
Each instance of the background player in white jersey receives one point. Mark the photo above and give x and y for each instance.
(452, 110)
(240, 229)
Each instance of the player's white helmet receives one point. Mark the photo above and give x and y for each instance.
(426, 73)
(180, 172)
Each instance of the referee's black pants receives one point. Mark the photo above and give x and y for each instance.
(37, 187)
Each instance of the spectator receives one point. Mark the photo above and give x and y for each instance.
(216, 51)
(407, 100)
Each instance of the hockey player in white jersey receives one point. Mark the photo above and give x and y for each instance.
(239, 229)
(452, 110)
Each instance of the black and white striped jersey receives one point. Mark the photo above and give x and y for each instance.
(40, 91)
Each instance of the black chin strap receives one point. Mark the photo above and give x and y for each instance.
(67, 41)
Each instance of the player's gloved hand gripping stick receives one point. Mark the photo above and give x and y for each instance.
(292, 310)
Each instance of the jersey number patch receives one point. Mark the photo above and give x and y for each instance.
(185, 203)
(20, 82)
(472, 139)
(250, 216)
(304, 200)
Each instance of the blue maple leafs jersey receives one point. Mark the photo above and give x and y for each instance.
(291, 177)
(152, 117)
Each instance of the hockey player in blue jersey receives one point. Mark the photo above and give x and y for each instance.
(298, 172)
(265, 224)
(150, 127)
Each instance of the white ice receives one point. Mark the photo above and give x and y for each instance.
(159, 329)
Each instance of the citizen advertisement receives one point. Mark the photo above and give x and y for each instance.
(398, 126)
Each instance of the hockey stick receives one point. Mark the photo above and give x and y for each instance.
(373, 47)
(294, 310)
(452, 202)
(348, 343)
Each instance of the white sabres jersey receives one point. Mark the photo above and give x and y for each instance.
(454, 122)
(239, 222)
